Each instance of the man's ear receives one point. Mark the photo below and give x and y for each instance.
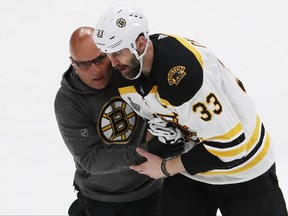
(141, 43)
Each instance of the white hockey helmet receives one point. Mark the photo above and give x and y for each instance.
(119, 27)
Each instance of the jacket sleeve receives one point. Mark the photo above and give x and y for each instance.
(89, 151)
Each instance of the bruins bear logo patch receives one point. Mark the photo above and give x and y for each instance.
(176, 74)
(117, 122)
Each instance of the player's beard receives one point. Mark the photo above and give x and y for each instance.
(134, 68)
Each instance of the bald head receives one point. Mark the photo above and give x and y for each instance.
(84, 51)
(82, 46)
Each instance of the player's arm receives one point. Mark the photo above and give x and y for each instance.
(238, 125)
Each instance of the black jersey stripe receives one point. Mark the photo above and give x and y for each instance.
(224, 145)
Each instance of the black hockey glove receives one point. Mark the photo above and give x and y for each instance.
(168, 140)
(165, 150)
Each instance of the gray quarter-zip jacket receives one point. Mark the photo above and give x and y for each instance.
(101, 131)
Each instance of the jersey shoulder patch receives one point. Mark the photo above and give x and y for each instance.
(178, 69)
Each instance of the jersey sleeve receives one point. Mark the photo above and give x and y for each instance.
(224, 117)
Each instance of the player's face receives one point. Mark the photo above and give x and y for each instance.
(125, 62)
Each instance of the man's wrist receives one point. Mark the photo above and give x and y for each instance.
(174, 165)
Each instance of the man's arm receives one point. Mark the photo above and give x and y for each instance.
(81, 137)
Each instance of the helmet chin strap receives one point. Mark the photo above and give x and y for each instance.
(140, 59)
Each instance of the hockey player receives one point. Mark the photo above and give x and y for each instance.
(101, 131)
(231, 166)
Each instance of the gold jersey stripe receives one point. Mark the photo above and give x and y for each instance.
(233, 132)
(244, 147)
(131, 89)
(190, 47)
(255, 135)
(126, 90)
(248, 165)
(227, 153)
(163, 101)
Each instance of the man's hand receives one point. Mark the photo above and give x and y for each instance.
(152, 167)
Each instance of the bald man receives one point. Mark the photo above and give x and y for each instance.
(102, 132)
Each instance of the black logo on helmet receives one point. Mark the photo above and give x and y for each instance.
(117, 122)
(121, 22)
(100, 33)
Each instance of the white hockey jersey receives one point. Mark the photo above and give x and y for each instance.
(190, 87)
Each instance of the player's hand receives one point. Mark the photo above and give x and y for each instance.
(152, 167)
